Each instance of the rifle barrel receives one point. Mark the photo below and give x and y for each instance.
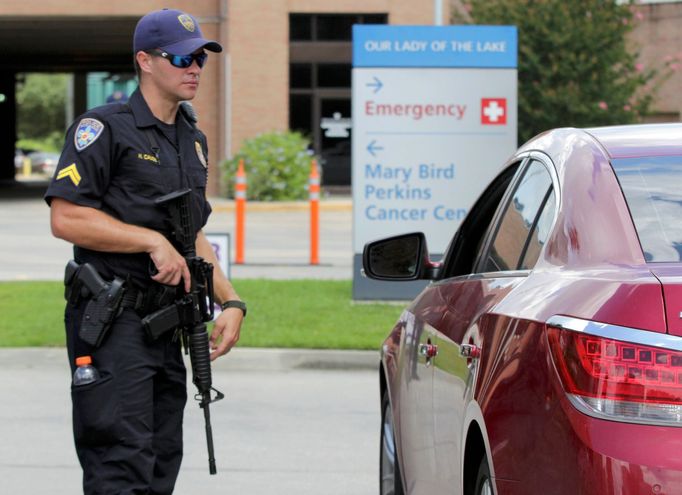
(209, 433)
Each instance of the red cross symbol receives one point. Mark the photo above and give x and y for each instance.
(493, 111)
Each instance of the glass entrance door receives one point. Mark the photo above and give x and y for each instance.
(332, 138)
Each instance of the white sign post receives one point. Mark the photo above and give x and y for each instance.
(221, 248)
(220, 242)
(434, 117)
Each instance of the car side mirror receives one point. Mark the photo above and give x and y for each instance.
(402, 257)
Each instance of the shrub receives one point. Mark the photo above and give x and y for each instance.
(277, 167)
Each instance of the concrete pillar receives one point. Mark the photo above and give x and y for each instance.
(8, 124)
(80, 93)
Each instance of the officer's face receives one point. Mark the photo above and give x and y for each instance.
(177, 83)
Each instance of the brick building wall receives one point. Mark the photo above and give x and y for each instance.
(258, 40)
(658, 38)
(244, 91)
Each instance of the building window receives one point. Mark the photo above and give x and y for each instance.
(334, 75)
(320, 67)
(300, 76)
(300, 28)
(300, 113)
(329, 27)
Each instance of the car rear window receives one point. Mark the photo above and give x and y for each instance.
(653, 191)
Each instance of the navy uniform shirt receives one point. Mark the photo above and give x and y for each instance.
(119, 158)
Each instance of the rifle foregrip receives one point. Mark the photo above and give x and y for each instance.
(200, 358)
(201, 369)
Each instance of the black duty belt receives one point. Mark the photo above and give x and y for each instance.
(132, 298)
(145, 302)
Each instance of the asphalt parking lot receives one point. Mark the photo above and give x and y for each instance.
(281, 429)
(276, 240)
(293, 422)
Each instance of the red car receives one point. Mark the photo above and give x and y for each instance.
(545, 356)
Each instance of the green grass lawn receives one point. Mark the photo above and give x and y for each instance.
(315, 314)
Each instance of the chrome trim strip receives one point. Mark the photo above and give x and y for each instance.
(579, 403)
(615, 332)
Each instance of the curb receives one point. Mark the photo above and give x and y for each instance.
(251, 359)
(225, 205)
(239, 359)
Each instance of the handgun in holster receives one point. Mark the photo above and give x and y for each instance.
(104, 300)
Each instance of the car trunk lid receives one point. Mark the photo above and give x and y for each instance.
(670, 276)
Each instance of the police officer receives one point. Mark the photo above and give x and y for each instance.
(117, 160)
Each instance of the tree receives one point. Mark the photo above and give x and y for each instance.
(41, 108)
(575, 66)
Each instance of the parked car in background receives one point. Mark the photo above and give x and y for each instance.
(43, 162)
(19, 156)
(546, 354)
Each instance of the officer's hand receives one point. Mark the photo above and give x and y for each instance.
(225, 333)
(171, 266)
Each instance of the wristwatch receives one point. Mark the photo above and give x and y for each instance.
(234, 304)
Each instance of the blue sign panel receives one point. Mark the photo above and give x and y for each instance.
(435, 46)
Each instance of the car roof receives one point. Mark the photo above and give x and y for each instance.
(630, 141)
(625, 141)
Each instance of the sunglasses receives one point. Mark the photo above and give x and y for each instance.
(182, 61)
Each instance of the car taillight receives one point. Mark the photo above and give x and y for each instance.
(618, 380)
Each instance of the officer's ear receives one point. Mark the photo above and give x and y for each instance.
(144, 61)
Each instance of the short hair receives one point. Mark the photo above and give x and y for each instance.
(138, 71)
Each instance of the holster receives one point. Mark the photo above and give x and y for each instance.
(103, 305)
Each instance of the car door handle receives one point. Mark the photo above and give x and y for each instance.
(470, 351)
(429, 351)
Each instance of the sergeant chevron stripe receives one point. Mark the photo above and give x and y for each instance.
(71, 172)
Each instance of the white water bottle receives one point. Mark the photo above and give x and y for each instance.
(85, 372)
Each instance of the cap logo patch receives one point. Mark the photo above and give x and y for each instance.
(71, 172)
(200, 153)
(87, 132)
(187, 22)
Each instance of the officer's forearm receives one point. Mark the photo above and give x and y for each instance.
(94, 229)
(222, 288)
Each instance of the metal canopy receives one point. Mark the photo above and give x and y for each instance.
(66, 44)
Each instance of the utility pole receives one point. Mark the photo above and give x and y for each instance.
(438, 12)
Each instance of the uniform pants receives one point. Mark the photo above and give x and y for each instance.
(128, 424)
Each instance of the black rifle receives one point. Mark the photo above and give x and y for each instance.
(190, 312)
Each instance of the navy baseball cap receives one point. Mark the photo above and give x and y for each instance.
(173, 31)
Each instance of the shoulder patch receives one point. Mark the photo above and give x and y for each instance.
(200, 153)
(87, 132)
